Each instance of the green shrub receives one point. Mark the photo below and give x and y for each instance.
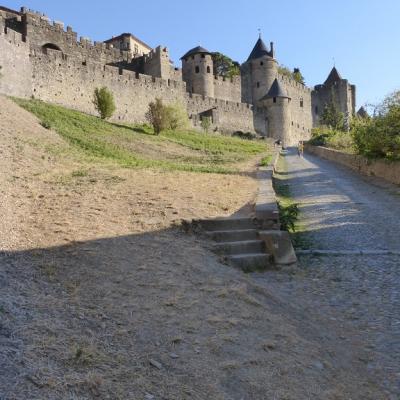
(245, 135)
(379, 137)
(104, 102)
(288, 215)
(327, 137)
(157, 116)
(176, 116)
(205, 123)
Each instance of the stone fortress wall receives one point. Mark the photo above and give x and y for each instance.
(41, 59)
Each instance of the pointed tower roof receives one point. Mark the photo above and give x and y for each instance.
(196, 50)
(362, 112)
(259, 50)
(276, 90)
(333, 77)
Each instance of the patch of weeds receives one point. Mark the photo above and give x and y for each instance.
(46, 124)
(289, 212)
(288, 216)
(80, 173)
(265, 161)
(84, 355)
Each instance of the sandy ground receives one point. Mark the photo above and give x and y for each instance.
(103, 296)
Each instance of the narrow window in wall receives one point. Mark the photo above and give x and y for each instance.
(316, 110)
(261, 62)
(197, 69)
(258, 84)
(274, 99)
(301, 102)
(208, 70)
(136, 49)
(203, 56)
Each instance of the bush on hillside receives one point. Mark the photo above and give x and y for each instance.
(244, 135)
(379, 136)
(335, 139)
(205, 123)
(177, 117)
(162, 117)
(157, 116)
(104, 102)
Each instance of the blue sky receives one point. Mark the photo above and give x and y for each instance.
(361, 36)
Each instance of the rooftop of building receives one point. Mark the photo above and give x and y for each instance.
(260, 50)
(127, 34)
(276, 90)
(196, 50)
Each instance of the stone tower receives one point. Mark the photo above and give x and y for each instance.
(258, 72)
(277, 102)
(197, 71)
(334, 89)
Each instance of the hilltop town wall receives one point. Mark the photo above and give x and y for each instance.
(15, 72)
(57, 77)
(228, 88)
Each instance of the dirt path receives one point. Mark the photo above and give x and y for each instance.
(103, 297)
(355, 299)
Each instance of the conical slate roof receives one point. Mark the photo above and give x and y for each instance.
(276, 90)
(259, 50)
(362, 112)
(333, 77)
(196, 50)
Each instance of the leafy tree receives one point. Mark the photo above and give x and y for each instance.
(206, 123)
(157, 116)
(331, 116)
(379, 136)
(225, 66)
(104, 102)
(295, 74)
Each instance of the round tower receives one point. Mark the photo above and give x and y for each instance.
(197, 71)
(261, 69)
(277, 104)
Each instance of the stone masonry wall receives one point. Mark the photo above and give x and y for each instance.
(70, 83)
(16, 73)
(300, 107)
(228, 88)
(386, 170)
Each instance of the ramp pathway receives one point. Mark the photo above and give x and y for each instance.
(348, 281)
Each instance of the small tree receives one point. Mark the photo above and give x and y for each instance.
(157, 115)
(225, 66)
(104, 102)
(205, 123)
(332, 117)
(177, 117)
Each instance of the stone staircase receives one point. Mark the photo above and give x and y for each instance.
(237, 241)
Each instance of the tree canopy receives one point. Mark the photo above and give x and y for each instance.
(225, 66)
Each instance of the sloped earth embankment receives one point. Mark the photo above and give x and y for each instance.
(102, 296)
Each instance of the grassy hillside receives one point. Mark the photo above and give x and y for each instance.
(137, 146)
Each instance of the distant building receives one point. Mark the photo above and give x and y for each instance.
(130, 43)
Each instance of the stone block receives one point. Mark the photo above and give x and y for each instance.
(279, 245)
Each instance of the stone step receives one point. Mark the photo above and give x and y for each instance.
(233, 236)
(251, 262)
(227, 224)
(240, 247)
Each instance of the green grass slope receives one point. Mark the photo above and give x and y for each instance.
(138, 147)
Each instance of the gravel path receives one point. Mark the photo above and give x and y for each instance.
(356, 298)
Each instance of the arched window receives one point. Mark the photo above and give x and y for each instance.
(197, 69)
(301, 102)
(208, 69)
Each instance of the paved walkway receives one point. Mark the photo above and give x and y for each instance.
(355, 299)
